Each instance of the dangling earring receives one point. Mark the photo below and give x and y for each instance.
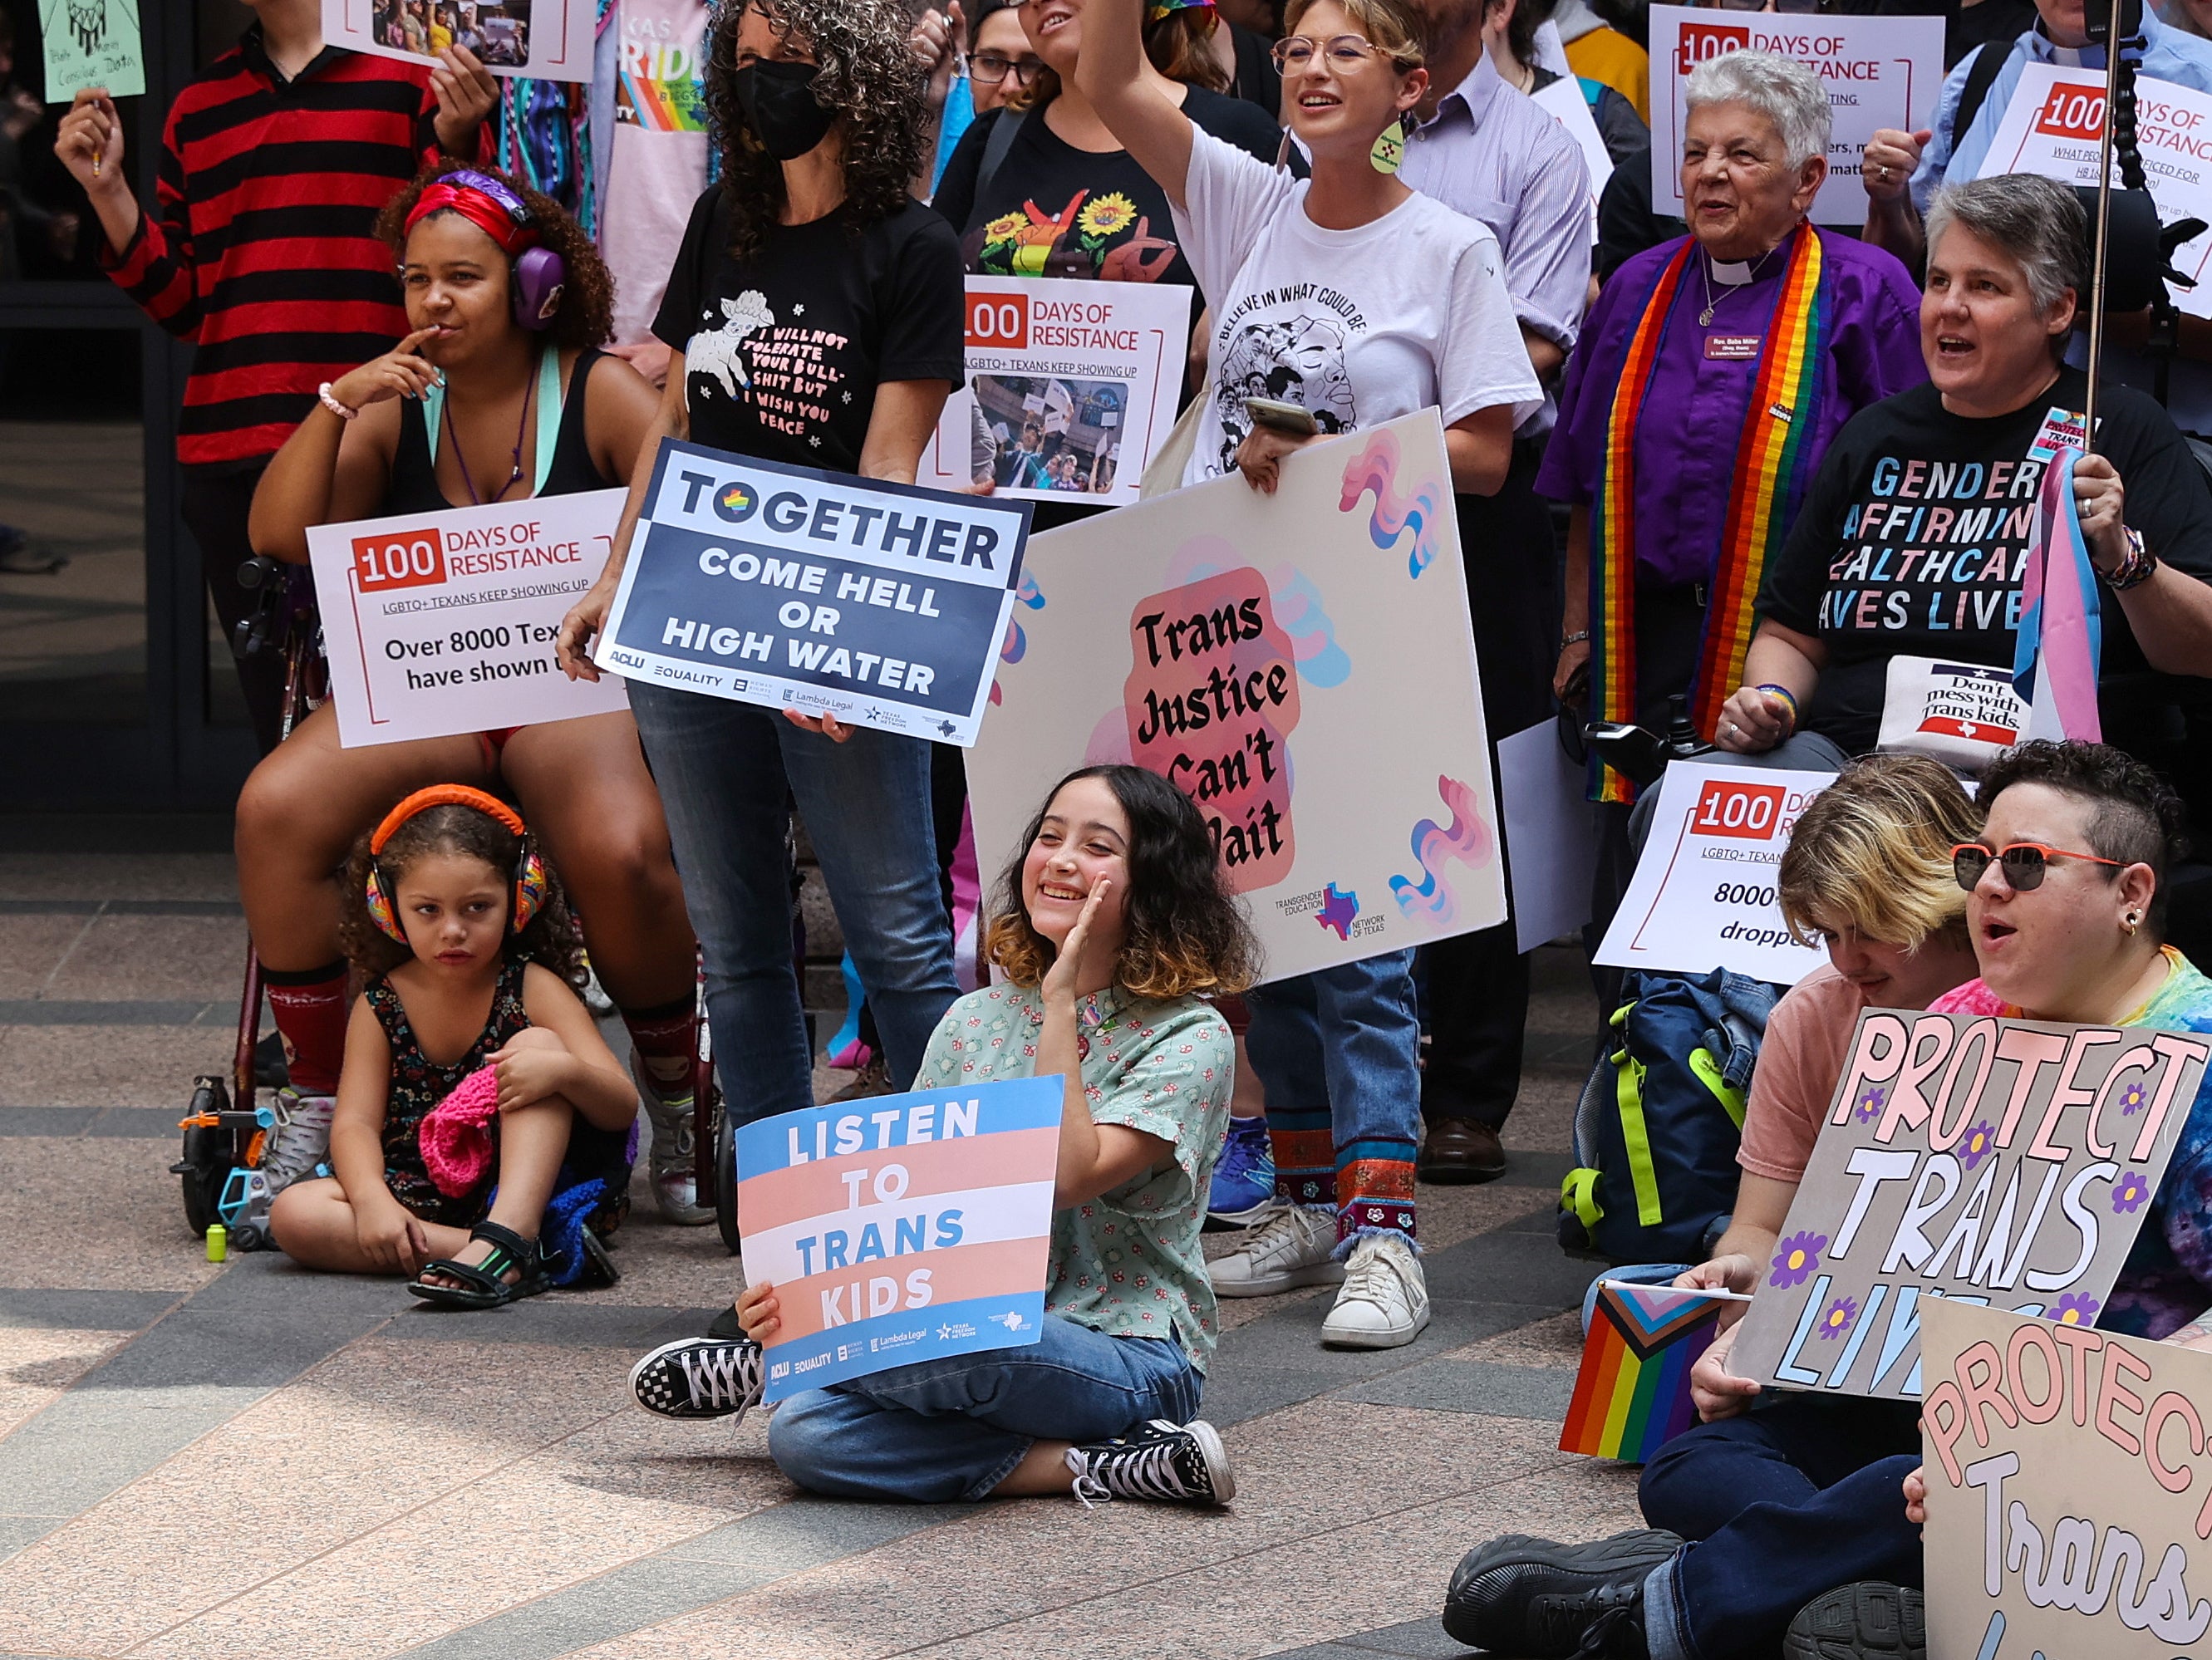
(1389, 148)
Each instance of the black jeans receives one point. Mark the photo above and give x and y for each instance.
(215, 509)
(1782, 1505)
(1478, 983)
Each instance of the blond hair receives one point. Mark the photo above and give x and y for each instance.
(1392, 25)
(1874, 850)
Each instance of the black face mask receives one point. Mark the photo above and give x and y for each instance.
(778, 101)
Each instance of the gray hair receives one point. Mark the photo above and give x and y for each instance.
(1781, 89)
(2038, 222)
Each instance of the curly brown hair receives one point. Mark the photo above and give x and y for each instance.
(550, 940)
(865, 72)
(586, 316)
(1185, 935)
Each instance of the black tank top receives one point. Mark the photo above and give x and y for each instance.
(415, 476)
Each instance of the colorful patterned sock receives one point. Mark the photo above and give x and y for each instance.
(1305, 1154)
(666, 1038)
(310, 1008)
(1374, 1190)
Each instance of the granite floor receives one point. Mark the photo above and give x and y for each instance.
(243, 1460)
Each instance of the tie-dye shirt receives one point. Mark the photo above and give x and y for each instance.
(2167, 1281)
(1128, 1262)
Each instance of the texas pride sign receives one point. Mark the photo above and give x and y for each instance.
(901, 1228)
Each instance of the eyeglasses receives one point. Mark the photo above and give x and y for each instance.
(2024, 863)
(989, 69)
(1345, 52)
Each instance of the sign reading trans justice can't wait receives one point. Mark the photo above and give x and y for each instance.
(879, 604)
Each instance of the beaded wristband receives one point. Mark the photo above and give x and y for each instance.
(2134, 570)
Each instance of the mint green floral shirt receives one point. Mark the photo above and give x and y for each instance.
(1128, 1262)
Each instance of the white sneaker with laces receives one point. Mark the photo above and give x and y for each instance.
(1293, 1247)
(699, 1378)
(1384, 1304)
(675, 1177)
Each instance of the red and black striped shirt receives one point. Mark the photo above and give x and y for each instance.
(262, 252)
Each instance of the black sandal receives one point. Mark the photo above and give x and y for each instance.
(485, 1286)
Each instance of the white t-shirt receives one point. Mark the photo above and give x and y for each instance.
(1358, 326)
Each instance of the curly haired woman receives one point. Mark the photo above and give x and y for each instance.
(500, 394)
(1113, 921)
(813, 318)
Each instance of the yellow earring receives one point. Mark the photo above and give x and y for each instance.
(1389, 148)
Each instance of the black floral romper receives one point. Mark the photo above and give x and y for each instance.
(418, 1083)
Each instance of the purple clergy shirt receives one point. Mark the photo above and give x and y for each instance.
(1691, 419)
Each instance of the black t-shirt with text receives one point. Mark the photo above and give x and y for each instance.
(1054, 210)
(783, 352)
(1914, 539)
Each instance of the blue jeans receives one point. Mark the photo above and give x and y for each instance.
(723, 770)
(955, 1428)
(1782, 1505)
(1337, 1053)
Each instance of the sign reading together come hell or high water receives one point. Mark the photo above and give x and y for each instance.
(1301, 665)
(2003, 1163)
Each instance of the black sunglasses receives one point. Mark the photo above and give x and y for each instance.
(2024, 863)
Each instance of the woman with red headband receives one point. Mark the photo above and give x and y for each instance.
(500, 393)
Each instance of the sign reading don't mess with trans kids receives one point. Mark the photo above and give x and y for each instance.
(902, 1228)
(879, 604)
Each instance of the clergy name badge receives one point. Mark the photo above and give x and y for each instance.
(2061, 429)
(879, 604)
(1732, 348)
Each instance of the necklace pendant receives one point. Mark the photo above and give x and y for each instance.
(1705, 317)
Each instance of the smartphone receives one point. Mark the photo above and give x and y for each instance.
(1282, 417)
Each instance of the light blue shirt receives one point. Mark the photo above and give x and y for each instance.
(2168, 54)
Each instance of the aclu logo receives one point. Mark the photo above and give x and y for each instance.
(1699, 41)
(778, 1371)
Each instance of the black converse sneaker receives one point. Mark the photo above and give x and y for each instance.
(698, 1377)
(1869, 1621)
(1174, 1464)
(1547, 1602)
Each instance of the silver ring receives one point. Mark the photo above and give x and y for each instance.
(1732, 726)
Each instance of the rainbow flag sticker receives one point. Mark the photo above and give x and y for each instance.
(1632, 1395)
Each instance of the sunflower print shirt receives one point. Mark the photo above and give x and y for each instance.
(1128, 1262)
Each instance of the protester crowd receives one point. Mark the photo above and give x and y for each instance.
(1721, 477)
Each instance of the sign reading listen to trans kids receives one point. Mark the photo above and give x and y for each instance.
(1995, 1162)
(1301, 665)
(879, 604)
(902, 1228)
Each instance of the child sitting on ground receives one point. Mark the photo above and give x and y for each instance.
(1113, 918)
(460, 931)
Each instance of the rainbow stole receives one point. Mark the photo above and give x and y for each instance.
(1774, 460)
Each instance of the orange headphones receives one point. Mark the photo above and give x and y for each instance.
(529, 897)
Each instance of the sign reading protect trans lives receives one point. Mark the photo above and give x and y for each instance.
(441, 623)
(900, 1229)
(1703, 895)
(880, 604)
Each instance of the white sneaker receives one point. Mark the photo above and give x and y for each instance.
(1384, 1304)
(1293, 1247)
(675, 1175)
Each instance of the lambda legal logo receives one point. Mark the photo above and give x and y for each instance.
(736, 503)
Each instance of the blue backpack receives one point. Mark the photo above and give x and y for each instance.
(1659, 1121)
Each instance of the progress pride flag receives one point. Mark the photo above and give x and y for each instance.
(901, 1228)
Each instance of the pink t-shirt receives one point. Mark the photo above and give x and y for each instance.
(1807, 1037)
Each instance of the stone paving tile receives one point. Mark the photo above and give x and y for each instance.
(114, 1065)
(37, 1363)
(31, 949)
(1283, 1565)
(117, 876)
(1555, 1340)
(201, 958)
(89, 1212)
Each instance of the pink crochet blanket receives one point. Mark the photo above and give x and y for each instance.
(455, 1134)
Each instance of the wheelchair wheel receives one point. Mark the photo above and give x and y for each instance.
(204, 1168)
(726, 1181)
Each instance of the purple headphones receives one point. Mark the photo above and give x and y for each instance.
(540, 275)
